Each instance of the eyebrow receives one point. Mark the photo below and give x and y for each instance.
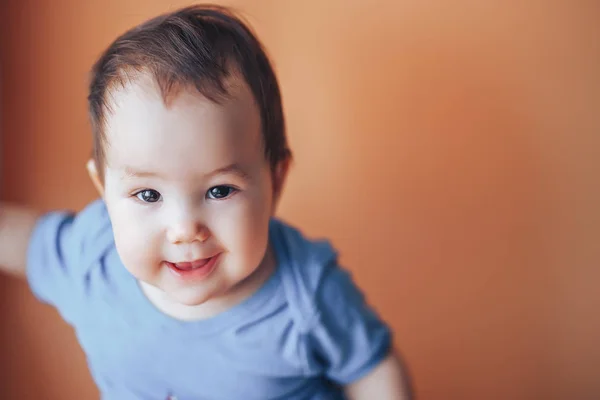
(233, 168)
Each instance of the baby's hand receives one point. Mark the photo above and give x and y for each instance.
(16, 226)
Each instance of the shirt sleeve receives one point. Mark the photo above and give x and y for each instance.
(56, 261)
(349, 339)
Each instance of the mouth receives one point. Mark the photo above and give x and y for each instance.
(197, 269)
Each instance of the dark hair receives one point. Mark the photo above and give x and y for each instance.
(198, 46)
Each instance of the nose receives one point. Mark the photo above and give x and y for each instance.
(187, 232)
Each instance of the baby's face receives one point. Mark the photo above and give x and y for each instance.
(188, 190)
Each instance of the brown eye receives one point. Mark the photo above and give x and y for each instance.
(148, 196)
(220, 192)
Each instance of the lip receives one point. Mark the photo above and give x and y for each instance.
(195, 270)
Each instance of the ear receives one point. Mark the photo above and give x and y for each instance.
(280, 174)
(93, 172)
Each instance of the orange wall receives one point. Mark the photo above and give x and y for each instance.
(451, 150)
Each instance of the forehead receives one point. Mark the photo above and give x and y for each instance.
(187, 132)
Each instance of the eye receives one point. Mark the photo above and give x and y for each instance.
(148, 196)
(220, 192)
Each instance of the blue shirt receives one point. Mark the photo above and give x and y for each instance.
(305, 333)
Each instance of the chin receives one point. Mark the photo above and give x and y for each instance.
(190, 299)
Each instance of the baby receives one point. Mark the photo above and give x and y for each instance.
(179, 281)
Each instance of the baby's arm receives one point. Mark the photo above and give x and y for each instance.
(16, 226)
(352, 344)
(386, 382)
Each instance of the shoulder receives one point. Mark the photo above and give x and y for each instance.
(342, 336)
(88, 233)
(72, 232)
(63, 249)
(67, 242)
(307, 265)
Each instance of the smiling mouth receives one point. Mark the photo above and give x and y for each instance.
(186, 266)
(197, 269)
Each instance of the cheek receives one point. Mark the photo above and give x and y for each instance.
(134, 237)
(248, 228)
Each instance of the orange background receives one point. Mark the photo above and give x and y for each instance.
(451, 151)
